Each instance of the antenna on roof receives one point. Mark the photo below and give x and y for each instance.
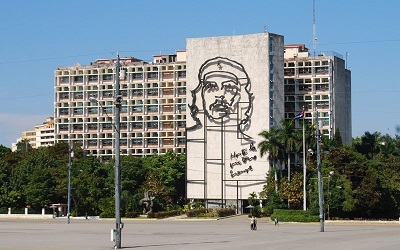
(314, 30)
(265, 29)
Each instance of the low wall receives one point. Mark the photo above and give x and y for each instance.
(26, 216)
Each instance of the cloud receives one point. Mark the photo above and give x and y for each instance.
(12, 125)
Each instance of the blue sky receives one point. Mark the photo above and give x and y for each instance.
(39, 36)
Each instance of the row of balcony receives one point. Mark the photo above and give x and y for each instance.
(130, 94)
(306, 71)
(135, 143)
(130, 77)
(132, 110)
(94, 127)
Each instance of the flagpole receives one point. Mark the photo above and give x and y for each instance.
(304, 165)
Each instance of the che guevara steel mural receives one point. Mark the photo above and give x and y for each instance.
(223, 95)
(227, 83)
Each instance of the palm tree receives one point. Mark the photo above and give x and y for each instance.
(369, 144)
(272, 146)
(289, 140)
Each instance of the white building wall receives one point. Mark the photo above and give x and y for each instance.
(223, 163)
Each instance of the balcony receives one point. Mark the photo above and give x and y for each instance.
(167, 92)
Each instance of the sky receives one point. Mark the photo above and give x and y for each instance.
(39, 36)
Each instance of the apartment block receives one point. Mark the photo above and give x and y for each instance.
(322, 83)
(153, 113)
(41, 136)
(45, 133)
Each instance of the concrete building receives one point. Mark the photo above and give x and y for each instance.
(319, 83)
(45, 133)
(41, 136)
(234, 91)
(210, 101)
(153, 117)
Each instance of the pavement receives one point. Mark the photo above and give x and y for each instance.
(179, 233)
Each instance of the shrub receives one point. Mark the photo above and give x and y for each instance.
(131, 214)
(164, 214)
(223, 212)
(209, 214)
(294, 215)
(196, 212)
(212, 212)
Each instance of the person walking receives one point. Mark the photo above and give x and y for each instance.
(276, 222)
(253, 223)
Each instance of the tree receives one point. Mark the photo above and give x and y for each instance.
(289, 140)
(337, 139)
(23, 146)
(293, 191)
(368, 145)
(3, 151)
(271, 145)
(165, 178)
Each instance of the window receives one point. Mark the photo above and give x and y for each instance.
(78, 111)
(181, 124)
(137, 141)
(93, 78)
(152, 75)
(92, 110)
(153, 108)
(64, 79)
(152, 141)
(152, 92)
(181, 73)
(78, 78)
(107, 77)
(137, 76)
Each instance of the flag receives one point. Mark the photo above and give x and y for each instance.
(299, 115)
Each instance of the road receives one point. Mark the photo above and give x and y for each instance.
(231, 233)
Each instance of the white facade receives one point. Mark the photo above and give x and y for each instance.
(45, 133)
(41, 136)
(234, 91)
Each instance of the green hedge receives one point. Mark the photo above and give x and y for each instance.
(212, 212)
(196, 212)
(294, 215)
(131, 214)
(223, 212)
(164, 214)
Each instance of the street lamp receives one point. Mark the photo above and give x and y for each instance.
(71, 155)
(329, 193)
(116, 233)
(320, 193)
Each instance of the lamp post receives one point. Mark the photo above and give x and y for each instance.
(71, 155)
(117, 108)
(320, 196)
(304, 166)
(329, 193)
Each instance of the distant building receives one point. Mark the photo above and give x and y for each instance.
(45, 133)
(153, 113)
(318, 83)
(41, 136)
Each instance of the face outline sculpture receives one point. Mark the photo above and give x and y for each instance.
(224, 91)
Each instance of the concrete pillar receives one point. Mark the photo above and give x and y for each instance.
(26, 210)
(9, 210)
(43, 212)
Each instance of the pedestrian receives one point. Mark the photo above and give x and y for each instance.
(253, 223)
(276, 222)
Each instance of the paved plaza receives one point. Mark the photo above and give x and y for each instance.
(230, 233)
